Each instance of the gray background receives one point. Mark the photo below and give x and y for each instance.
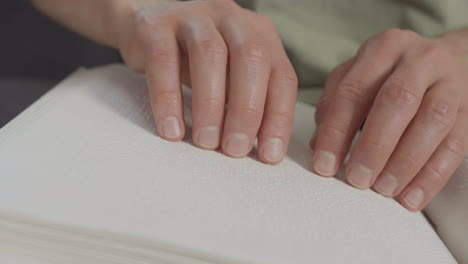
(35, 54)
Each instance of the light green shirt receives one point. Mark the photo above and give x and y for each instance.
(320, 34)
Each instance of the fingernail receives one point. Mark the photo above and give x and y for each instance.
(359, 176)
(273, 149)
(171, 127)
(414, 198)
(209, 137)
(325, 163)
(238, 145)
(386, 184)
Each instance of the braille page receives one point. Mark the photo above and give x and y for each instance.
(86, 156)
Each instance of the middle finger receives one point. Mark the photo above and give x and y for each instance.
(248, 80)
(208, 57)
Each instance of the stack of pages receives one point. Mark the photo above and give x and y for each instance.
(84, 178)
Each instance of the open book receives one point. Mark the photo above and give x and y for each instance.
(84, 178)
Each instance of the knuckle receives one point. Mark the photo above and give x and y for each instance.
(409, 160)
(352, 90)
(253, 53)
(334, 132)
(212, 47)
(286, 75)
(436, 51)
(456, 145)
(142, 16)
(386, 41)
(147, 16)
(265, 22)
(437, 176)
(166, 95)
(163, 55)
(441, 113)
(393, 35)
(213, 101)
(202, 38)
(224, 4)
(248, 110)
(279, 120)
(376, 146)
(398, 91)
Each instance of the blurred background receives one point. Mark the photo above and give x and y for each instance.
(35, 54)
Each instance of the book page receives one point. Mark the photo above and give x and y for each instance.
(87, 156)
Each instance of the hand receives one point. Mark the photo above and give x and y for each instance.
(228, 55)
(411, 92)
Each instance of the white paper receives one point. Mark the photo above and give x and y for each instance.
(86, 156)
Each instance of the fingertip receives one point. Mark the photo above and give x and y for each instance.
(413, 199)
(272, 150)
(324, 163)
(386, 185)
(172, 129)
(173, 139)
(359, 175)
(383, 193)
(409, 208)
(237, 145)
(207, 138)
